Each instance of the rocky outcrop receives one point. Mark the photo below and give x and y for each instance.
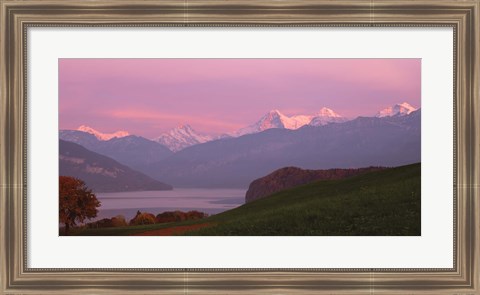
(290, 177)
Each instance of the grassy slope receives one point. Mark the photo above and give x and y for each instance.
(379, 203)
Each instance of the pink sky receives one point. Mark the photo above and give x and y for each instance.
(150, 96)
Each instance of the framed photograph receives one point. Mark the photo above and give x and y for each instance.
(234, 167)
(239, 147)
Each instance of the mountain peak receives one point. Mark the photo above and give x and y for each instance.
(275, 119)
(102, 136)
(399, 109)
(181, 137)
(183, 127)
(275, 112)
(326, 112)
(326, 116)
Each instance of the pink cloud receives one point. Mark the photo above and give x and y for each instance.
(154, 117)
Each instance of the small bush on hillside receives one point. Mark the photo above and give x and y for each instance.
(106, 222)
(177, 216)
(143, 218)
(119, 220)
(194, 215)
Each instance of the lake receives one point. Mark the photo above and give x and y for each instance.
(211, 201)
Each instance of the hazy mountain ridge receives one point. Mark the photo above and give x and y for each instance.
(235, 162)
(101, 173)
(134, 151)
(185, 136)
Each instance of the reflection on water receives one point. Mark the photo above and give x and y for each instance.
(211, 201)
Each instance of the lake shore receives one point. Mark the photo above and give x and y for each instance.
(210, 201)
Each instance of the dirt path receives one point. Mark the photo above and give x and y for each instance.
(174, 230)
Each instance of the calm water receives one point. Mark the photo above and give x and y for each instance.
(211, 201)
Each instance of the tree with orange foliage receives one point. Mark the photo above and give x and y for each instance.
(77, 202)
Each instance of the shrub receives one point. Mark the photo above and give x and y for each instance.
(194, 215)
(169, 216)
(143, 218)
(119, 220)
(177, 216)
(106, 222)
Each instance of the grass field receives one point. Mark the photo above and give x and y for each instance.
(382, 203)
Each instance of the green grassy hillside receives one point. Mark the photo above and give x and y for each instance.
(378, 203)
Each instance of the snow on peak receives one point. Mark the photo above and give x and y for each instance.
(399, 109)
(102, 136)
(181, 137)
(326, 112)
(275, 119)
(326, 116)
(275, 113)
(182, 129)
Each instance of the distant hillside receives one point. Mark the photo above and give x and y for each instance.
(290, 177)
(101, 173)
(236, 162)
(134, 151)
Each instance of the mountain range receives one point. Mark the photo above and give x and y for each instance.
(134, 151)
(185, 158)
(235, 162)
(275, 119)
(184, 136)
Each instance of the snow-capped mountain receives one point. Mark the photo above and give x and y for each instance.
(361, 142)
(326, 116)
(102, 136)
(400, 109)
(275, 119)
(182, 137)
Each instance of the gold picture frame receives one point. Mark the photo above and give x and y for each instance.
(17, 16)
